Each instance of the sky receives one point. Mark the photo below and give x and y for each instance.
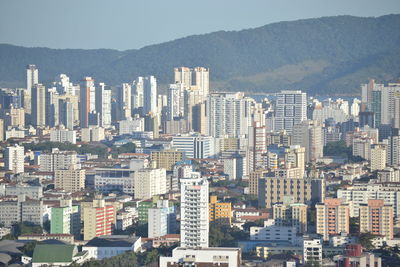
(132, 24)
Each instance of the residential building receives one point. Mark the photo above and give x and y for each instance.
(220, 212)
(294, 215)
(97, 219)
(378, 157)
(166, 159)
(291, 109)
(38, 105)
(332, 217)
(272, 232)
(308, 134)
(161, 219)
(56, 160)
(150, 182)
(71, 180)
(87, 101)
(103, 104)
(194, 212)
(149, 95)
(63, 135)
(30, 191)
(377, 218)
(312, 250)
(14, 158)
(22, 210)
(108, 180)
(194, 145)
(131, 125)
(32, 77)
(65, 219)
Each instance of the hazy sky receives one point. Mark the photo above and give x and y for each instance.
(127, 24)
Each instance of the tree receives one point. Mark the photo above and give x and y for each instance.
(354, 225)
(365, 239)
(28, 248)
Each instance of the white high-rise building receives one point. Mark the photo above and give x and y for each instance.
(137, 93)
(124, 101)
(228, 115)
(150, 182)
(38, 105)
(149, 95)
(14, 158)
(131, 125)
(290, 109)
(176, 101)
(87, 101)
(378, 157)
(32, 77)
(56, 160)
(194, 146)
(201, 79)
(183, 75)
(308, 134)
(103, 105)
(194, 212)
(63, 135)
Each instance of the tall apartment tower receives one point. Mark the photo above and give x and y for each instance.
(32, 77)
(66, 112)
(228, 115)
(176, 101)
(87, 101)
(137, 93)
(377, 218)
(103, 104)
(38, 105)
(71, 180)
(194, 212)
(150, 182)
(378, 157)
(183, 75)
(149, 95)
(97, 219)
(333, 217)
(294, 215)
(14, 159)
(124, 101)
(290, 109)
(201, 79)
(257, 146)
(308, 134)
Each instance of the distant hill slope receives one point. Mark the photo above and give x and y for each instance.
(330, 55)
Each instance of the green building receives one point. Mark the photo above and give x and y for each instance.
(143, 210)
(65, 219)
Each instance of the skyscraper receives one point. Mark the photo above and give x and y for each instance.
(103, 104)
(149, 95)
(291, 109)
(183, 75)
(87, 101)
(14, 158)
(201, 80)
(194, 212)
(176, 104)
(32, 77)
(137, 93)
(38, 105)
(124, 101)
(308, 134)
(228, 115)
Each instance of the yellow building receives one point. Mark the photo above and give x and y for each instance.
(97, 219)
(220, 212)
(72, 180)
(166, 159)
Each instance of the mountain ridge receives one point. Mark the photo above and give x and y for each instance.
(288, 54)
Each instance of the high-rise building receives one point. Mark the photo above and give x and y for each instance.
(194, 146)
(137, 93)
(228, 115)
(124, 101)
(103, 104)
(56, 160)
(66, 113)
(393, 155)
(150, 182)
(333, 217)
(63, 135)
(294, 215)
(183, 75)
(71, 180)
(87, 101)
(308, 134)
(176, 101)
(65, 218)
(201, 79)
(32, 77)
(161, 219)
(378, 157)
(257, 146)
(194, 212)
(38, 105)
(97, 219)
(291, 109)
(166, 159)
(149, 95)
(377, 218)
(14, 158)
(220, 212)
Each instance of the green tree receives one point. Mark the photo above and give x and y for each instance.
(365, 239)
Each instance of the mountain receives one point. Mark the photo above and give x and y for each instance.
(329, 55)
